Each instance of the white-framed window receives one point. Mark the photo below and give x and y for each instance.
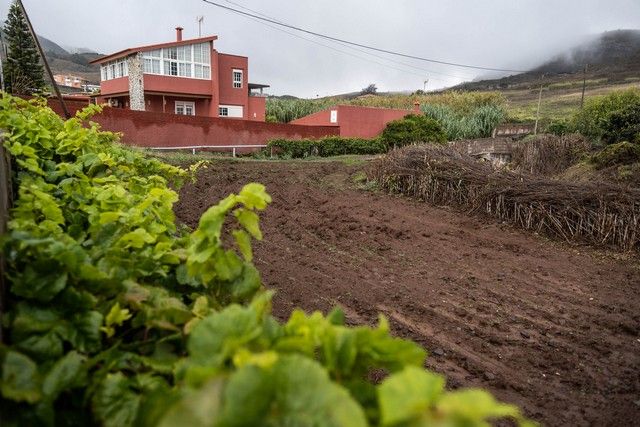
(234, 111)
(186, 108)
(334, 116)
(190, 61)
(237, 78)
(114, 69)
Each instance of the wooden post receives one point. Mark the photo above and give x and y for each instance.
(6, 198)
(535, 129)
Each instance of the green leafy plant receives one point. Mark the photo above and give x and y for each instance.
(119, 317)
(594, 120)
(413, 129)
(325, 147)
(478, 122)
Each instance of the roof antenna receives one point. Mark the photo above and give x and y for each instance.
(199, 19)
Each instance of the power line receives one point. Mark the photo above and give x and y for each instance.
(352, 48)
(435, 61)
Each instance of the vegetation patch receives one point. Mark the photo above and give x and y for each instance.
(548, 154)
(600, 214)
(478, 123)
(413, 129)
(325, 147)
(623, 153)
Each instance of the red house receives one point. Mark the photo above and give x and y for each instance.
(185, 77)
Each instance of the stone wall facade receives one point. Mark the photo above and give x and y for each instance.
(136, 82)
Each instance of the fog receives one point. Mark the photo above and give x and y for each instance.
(491, 33)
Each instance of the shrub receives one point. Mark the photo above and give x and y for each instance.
(559, 127)
(413, 129)
(593, 120)
(622, 153)
(623, 125)
(325, 147)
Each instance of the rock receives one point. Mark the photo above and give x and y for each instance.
(489, 376)
(438, 352)
(525, 334)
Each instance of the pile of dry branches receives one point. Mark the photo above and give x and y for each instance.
(601, 214)
(548, 154)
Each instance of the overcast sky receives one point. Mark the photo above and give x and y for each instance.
(513, 34)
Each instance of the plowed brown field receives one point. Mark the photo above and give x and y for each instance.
(550, 327)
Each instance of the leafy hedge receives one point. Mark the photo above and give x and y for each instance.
(595, 120)
(117, 316)
(413, 129)
(325, 147)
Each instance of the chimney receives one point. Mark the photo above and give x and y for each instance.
(179, 33)
(416, 107)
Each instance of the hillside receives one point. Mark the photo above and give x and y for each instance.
(613, 55)
(65, 62)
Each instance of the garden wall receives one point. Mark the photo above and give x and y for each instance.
(149, 129)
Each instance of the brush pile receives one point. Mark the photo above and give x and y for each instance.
(599, 214)
(548, 154)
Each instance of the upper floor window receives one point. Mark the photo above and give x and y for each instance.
(186, 108)
(237, 78)
(114, 69)
(191, 61)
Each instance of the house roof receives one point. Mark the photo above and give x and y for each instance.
(129, 51)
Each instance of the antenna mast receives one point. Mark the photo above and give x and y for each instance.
(199, 20)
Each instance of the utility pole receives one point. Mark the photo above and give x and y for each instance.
(44, 59)
(535, 129)
(426, 82)
(584, 84)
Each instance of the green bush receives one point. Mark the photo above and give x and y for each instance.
(623, 125)
(622, 153)
(325, 147)
(594, 120)
(559, 127)
(413, 129)
(476, 123)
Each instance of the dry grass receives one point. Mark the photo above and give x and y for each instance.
(599, 214)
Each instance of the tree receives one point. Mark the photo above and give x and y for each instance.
(22, 72)
(369, 90)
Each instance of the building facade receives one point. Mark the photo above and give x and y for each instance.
(70, 81)
(187, 77)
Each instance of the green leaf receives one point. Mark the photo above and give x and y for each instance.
(296, 391)
(254, 196)
(474, 407)
(115, 404)
(20, 380)
(250, 221)
(116, 317)
(243, 241)
(197, 408)
(218, 336)
(407, 395)
(65, 373)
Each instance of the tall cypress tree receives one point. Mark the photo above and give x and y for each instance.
(23, 74)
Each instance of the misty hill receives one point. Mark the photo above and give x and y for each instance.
(64, 62)
(613, 55)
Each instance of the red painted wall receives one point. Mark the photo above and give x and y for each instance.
(148, 129)
(119, 85)
(257, 108)
(177, 85)
(359, 122)
(228, 94)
